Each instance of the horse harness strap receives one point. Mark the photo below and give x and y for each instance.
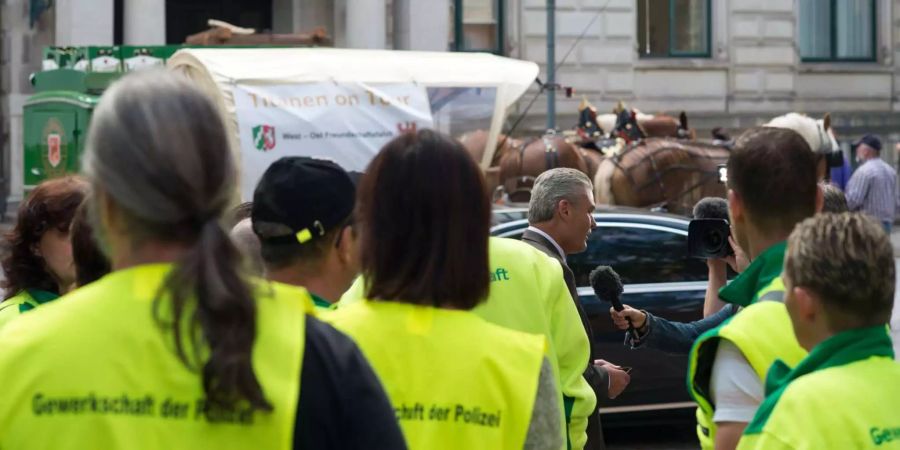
(551, 155)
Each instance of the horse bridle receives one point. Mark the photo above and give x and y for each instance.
(551, 161)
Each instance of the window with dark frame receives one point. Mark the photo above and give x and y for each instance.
(674, 28)
(837, 30)
(478, 26)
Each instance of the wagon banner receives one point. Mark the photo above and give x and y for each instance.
(344, 122)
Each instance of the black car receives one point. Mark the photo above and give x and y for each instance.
(649, 251)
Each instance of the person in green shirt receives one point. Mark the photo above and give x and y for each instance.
(302, 213)
(37, 260)
(839, 279)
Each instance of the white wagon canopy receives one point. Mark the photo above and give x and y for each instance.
(344, 105)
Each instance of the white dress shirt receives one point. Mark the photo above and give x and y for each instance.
(546, 236)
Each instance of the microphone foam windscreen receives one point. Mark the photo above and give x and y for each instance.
(606, 283)
(711, 208)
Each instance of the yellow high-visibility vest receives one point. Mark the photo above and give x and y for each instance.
(25, 300)
(844, 395)
(762, 332)
(455, 380)
(528, 293)
(96, 371)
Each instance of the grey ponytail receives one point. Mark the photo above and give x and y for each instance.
(158, 148)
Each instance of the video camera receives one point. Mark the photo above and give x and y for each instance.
(708, 232)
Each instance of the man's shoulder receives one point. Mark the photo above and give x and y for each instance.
(524, 249)
(541, 243)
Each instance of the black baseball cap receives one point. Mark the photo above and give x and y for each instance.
(871, 140)
(299, 199)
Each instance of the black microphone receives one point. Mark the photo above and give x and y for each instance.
(608, 287)
(711, 208)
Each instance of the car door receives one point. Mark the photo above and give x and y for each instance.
(659, 277)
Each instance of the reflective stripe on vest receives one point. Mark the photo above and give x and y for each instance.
(455, 380)
(773, 292)
(762, 332)
(97, 371)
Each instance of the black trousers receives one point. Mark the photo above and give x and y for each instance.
(594, 433)
(594, 430)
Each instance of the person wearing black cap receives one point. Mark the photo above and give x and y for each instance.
(302, 214)
(873, 187)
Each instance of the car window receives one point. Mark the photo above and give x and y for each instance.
(639, 253)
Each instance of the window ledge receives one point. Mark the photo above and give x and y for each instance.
(843, 67)
(680, 63)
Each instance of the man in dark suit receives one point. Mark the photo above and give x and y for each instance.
(560, 217)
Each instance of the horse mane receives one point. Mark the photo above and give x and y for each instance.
(810, 129)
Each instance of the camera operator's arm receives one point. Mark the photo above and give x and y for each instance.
(661, 334)
(718, 276)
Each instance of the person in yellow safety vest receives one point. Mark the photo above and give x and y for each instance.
(528, 294)
(772, 185)
(456, 381)
(839, 278)
(176, 348)
(302, 214)
(38, 255)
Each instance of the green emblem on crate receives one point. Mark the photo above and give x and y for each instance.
(54, 155)
(264, 137)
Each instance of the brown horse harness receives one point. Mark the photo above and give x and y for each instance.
(657, 178)
(524, 183)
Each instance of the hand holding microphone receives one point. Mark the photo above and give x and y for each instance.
(608, 287)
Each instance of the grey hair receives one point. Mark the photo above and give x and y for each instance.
(553, 186)
(248, 244)
(158, 150)
(157, 146)
(848, 260)
(834, 199)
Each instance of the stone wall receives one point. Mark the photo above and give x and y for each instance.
(754, 71)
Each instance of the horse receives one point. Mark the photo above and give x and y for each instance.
(664, 173)
(475, 143)
(675, 174)
(520, 167)
(818, 134)
(631, 125)
(628, 124)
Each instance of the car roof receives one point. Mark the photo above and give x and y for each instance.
(512, 217)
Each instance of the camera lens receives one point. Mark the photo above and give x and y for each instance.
(714, 240)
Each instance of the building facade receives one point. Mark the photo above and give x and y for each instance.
(727, 63)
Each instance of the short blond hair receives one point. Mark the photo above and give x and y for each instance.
(848, 261)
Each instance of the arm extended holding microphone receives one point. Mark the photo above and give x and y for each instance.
(709, 239)
(645, 329)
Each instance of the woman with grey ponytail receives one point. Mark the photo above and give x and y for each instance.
(176, 348)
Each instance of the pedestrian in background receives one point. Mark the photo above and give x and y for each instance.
(37, 253)
(302, 215)
(839, 278)
(561, 219)
(873, 187)
(91, 263)
(177, 348)
(456, 381)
